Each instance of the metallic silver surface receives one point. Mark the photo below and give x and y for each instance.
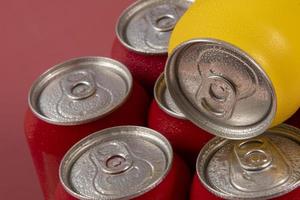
(80, 90)
(164, 100)
(145, 27)
(116, 163)
(264, 167)
(220, 88)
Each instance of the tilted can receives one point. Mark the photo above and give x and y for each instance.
(263, 167)
(125, 162)
(143, 31)
(228, 62)
(165, 117)
(74, 99)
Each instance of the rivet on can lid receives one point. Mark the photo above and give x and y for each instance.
(80, 90)
(263, 167)
(145, 27)
(164, 99)
(220, 88)
(116, 163)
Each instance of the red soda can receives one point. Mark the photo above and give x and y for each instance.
(294, 120)
(124, 162)
(143, 31)
(263, 167)
(72, 100)
(165, 117)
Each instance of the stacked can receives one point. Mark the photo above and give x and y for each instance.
(72, 100)
(143, 33)
(125, 162)
(165, 117)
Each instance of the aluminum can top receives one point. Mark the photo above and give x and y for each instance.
(220, 88)
(164, 100)
(80, 90)
(145, 26)
(263, 167)
(116, 163)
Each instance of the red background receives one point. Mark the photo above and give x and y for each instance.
(35, 35)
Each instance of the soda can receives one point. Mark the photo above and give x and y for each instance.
(124, 162)
(165, 117)
(263, 167)
(294, 120)
(143, 31)
(228, 65)
(74, 99)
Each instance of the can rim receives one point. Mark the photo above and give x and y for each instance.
(160, 82)
(216, 144)
(201, 121)
(74, 152)
(58, 68)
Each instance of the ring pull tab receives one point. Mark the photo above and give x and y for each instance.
(112, 158)
(225, 80)
(116, 167)
(79, 85)
(217, 96)
(160, 21)
(257, 165)
(254, 155)
(163, 18)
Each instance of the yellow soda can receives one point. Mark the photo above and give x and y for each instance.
(234, 66)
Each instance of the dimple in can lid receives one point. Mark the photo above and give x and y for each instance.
(116, 163)
(80, 90)
(145, 26)
(263, 167)
(220, 88)
(164, 100)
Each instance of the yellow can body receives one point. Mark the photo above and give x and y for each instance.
(266, 30)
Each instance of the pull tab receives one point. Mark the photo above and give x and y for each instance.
(217, 96)
(82, 96)
(79, 85)
(257, 165)
(163, 18)
(254, 155)
(117, 168)
(113, 158)
(160, 21)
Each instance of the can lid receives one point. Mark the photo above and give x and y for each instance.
(220, 88)
(80, 90)
(164, 100)
(145, 26)
(116, 163)
(266, 166)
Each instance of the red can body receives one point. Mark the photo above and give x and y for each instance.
(175, 186)
(61, 194)
(294, 120)
(198, 191)
(145, 68)
(185, 137)
(48, 143)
